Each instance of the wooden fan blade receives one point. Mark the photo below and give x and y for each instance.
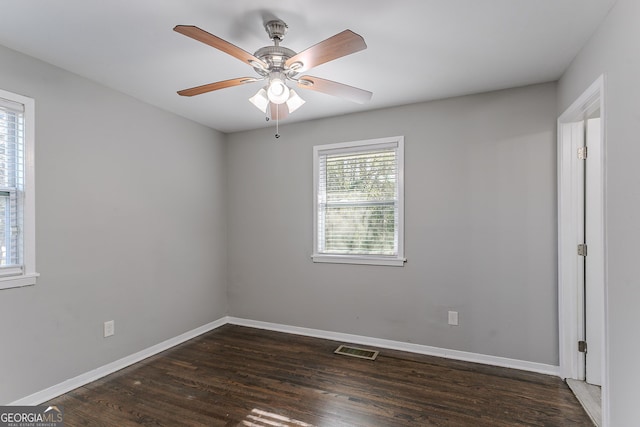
(278, 111)
(342, 44)
(220, 44)
(217, 85)
(334, 88)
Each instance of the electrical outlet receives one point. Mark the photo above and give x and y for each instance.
(453, 318)
(109, 328)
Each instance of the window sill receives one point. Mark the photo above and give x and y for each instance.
(9, 282)
(355, 259)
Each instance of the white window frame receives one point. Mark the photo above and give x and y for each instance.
(26, 275)
(397, 260)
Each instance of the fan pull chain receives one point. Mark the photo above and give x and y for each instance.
(277, 121)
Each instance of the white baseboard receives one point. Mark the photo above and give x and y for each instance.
(83, 379)
(403, 346)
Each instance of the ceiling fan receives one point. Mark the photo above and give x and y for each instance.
(278, 65)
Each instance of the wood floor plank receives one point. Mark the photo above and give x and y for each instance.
(238, 376)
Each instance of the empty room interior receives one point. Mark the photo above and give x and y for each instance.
(172, 223)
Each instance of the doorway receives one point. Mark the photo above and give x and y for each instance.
(581, 249)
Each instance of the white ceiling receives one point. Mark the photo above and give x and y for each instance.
(418, 50)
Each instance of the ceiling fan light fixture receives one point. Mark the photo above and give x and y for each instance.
(294, 102)
(277, 92)
(276, 64)
(260, 100)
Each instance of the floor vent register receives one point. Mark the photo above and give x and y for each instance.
(361, 353)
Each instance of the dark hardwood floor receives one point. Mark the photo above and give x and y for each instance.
(237, 376)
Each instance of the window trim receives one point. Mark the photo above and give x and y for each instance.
(355, 146)
(27, 275)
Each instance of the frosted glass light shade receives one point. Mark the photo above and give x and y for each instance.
(260, 100)
(294, 102)
(277, 92)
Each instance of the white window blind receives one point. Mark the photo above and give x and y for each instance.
(17, 195)
(358, 208)
(12, 131)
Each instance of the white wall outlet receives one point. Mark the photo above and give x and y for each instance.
(109, 328)
(453, 318)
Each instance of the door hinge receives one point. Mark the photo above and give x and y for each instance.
(582, 249)
(582, 346)
(582, 153)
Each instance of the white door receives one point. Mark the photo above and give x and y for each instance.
(594, 261)
(581, 202)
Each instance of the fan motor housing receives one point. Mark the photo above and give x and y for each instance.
(274, 57)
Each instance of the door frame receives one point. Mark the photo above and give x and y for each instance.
(570, 297)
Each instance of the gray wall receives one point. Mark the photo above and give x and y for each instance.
(130, 226)
(613, 51)
(480, 185)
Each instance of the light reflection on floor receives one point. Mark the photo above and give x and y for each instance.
(259, 418)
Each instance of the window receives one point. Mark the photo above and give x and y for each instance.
(358, 202)
(17, 221)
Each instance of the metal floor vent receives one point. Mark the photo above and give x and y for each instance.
(362, 353)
